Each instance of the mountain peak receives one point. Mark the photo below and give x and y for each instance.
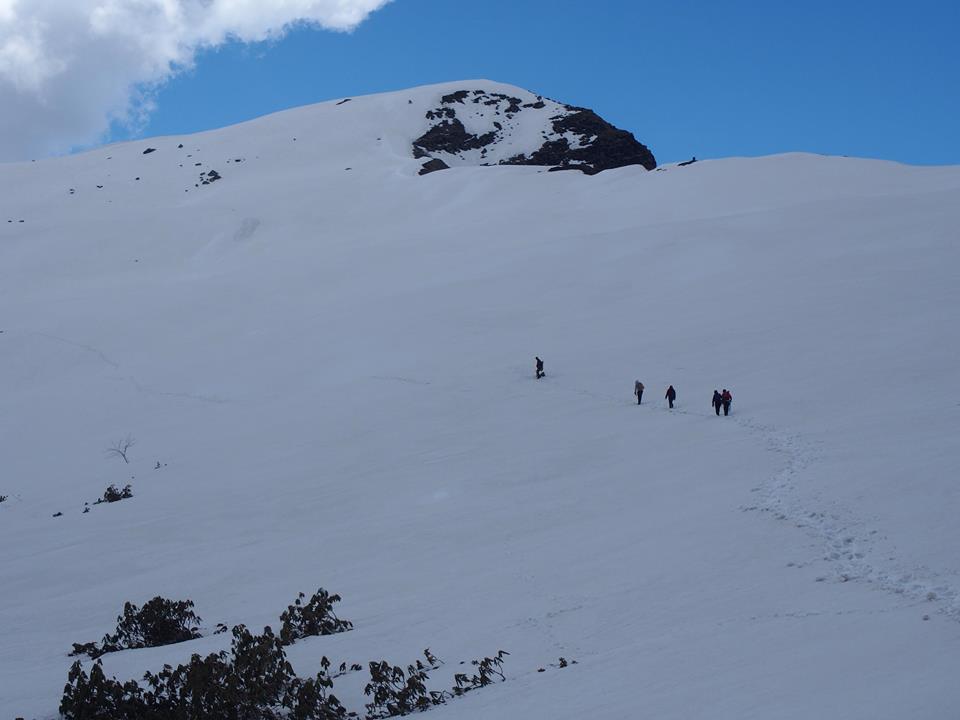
(482, 123)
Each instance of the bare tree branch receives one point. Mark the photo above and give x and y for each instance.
(120, 448)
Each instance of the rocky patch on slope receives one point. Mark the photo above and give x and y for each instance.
(478, 127)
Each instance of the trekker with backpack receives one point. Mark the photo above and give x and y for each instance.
(671, 396)
(717, 401)
(638, 391)
(726, 398)
(539, 366)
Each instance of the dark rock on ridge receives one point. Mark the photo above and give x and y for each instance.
(433, 165)
(208, 178)
(574, 139)
(459, 96)
(449, 136)
(603, 146)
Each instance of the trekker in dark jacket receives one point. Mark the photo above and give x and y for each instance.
(638, 391)
(671, 396)
(717, 401)
(726, 398)
(540, 372)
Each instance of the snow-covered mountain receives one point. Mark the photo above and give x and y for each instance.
(326, 362)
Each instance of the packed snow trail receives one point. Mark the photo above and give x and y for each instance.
(849, 543)
(852, 544)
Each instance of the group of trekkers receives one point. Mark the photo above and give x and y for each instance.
(720, 399)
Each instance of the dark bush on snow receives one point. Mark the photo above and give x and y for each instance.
(315, 617)
(114, 494)
(488, 670)
(160, 622)
(94, 697)
(253, 681)
(90, 648)
(394, 692)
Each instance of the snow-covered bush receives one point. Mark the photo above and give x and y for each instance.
(315, 617)
(160, 622)
(254, 681)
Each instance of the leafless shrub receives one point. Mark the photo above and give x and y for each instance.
(121, 447)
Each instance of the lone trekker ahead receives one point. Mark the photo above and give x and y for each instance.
(638, 391)
(671, 396)
(540, 372)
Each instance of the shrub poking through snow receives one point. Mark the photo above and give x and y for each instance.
(254, 676)
(94, 697)
(488, 671)
(344, 670)
(315, 617)
(394, 692)
(254, 681)
(90, 648)
(160, 622)
(114, 494)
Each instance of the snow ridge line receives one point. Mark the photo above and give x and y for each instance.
(849, 543)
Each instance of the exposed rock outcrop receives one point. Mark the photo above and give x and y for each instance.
(479, 127)
(432, 166)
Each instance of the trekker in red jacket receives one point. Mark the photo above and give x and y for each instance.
(726, 398)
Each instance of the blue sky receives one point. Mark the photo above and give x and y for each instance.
(688, 77)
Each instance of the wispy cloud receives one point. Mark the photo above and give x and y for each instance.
(68, 68)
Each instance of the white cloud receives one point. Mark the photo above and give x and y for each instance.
(70, 67)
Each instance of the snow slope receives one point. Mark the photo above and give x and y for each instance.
(334, 369)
